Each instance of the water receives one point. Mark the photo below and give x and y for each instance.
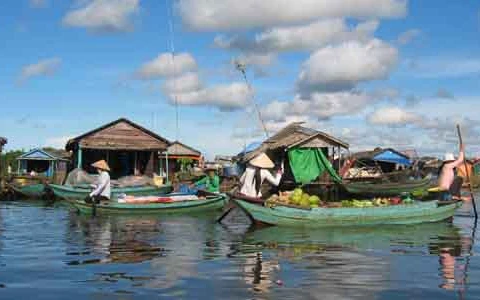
(49, 252)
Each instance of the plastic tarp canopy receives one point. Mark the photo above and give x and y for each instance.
(308, 164)
(392, 157)
(251, 147)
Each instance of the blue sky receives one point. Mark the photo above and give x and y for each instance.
(374, 72)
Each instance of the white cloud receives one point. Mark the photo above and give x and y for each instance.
(342, 67)
(205, 15)
(226, 97)
(256, 59)
(319, 106)
(104, 15)
(167, 65)
(45, 67)
(298, 38)
(58, 142)
(443, 67)
(407, 36)
(393, 116)
(187, 82)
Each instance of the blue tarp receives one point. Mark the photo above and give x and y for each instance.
(392, 157)
(251, 147)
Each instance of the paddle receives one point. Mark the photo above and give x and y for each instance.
(467, 174)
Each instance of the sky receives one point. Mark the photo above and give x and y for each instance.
(388, 73)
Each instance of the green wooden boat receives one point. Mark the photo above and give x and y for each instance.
(33, 191)
(212, 202)
(418, 212)
(78, 193)
(386, 189)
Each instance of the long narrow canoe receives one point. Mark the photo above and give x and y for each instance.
(418, 212)
(386, 189)
(211, 202)
(77, 193)
(29, 191)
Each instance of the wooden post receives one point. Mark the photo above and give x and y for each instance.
(79, 157)
(166, 167)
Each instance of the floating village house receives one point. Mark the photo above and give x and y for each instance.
(50, 163)
(179, 154)
(297, 137)
(129, 149)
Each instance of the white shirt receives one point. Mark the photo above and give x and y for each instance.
(248, 181)
(102, 186)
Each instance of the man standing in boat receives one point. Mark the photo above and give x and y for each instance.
(211, 182)
(256, 173)
(102, 187)
(448, 181)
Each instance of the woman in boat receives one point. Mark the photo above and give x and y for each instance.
(256, 173)
(209, 183)
(448, 181)
(102, 187)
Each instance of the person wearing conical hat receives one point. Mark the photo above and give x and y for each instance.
(102, 190)
(256, 173)
(447, 180)
(211, 182)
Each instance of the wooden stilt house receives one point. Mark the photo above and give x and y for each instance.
(129, 149)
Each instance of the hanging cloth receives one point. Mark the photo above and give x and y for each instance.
(308, 164)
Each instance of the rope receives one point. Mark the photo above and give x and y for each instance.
(241, 67)
(172, 51)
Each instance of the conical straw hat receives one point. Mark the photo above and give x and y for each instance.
(262, 161)
(449, 157)
(101, 164)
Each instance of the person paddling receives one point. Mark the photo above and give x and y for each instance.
(256, 173)
(102, 187)
(448, 181)
(210, 183)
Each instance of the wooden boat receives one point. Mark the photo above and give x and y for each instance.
(80, 193)
(418, 212)
(387, 189)
(33, 191)
(211, 202)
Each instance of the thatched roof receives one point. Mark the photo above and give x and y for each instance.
(121, 134)
(295, 135)
(180, 149)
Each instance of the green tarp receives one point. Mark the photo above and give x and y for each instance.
(308, 164)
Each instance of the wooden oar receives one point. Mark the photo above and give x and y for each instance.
(467, 174)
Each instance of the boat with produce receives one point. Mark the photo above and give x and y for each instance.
(298, 209)
(81, 192)
(166, 204)
(387, 188)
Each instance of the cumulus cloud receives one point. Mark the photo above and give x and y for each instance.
(184, 83)
(45, 67)
(104, 15)
(58, 142)
(227, 97)
(407, 36)
(207, 15)
(393, 116)
(320, 106)
(342, 67)
(166, 65)
(299, 37)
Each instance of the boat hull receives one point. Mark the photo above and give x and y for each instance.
(29, 191)
(75, 193)
(419, 212)
(211, 203)
(386, 189)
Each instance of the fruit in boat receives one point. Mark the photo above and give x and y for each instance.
(314, 205)
(395, 200)
(314, 200)
(306, 197)
(297, 191)
(305, 203)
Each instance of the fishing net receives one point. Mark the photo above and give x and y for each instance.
(78, 177)
(131, 181)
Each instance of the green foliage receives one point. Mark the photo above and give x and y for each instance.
(10, 158)
(184, 163)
